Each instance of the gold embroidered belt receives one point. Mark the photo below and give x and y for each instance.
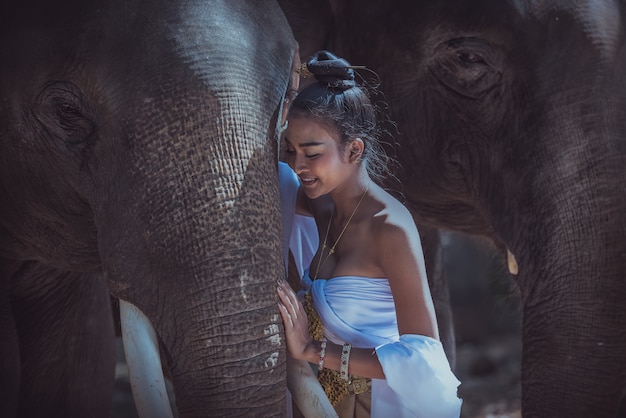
(358, 385)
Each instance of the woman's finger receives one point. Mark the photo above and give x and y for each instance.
(288, 290)
(290, 303)
(285, 314)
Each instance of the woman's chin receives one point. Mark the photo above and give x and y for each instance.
(312, 194)
(311, 190)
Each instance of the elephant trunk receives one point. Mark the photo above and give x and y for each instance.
(209, 287)
(574, 312)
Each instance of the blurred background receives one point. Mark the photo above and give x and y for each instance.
(487, 321)
(487, 318)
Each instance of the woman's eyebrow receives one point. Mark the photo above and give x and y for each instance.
(306, 144)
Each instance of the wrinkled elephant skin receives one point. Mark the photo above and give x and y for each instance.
(138, 157)
(512, 125)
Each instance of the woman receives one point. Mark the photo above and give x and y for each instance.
(378, 336)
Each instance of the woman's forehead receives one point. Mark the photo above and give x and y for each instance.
(305, 129)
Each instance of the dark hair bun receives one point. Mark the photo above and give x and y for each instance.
(331, 70)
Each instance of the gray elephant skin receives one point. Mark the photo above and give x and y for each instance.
(512, 125)
(138, 157)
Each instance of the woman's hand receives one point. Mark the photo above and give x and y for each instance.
(299, 342)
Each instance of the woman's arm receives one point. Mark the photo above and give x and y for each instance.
(400, 256)
(416, 366)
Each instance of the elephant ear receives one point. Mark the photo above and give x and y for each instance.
(468, 66)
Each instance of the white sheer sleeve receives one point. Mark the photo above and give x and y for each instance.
(416, 368)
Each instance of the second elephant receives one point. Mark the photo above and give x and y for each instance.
(512, 125)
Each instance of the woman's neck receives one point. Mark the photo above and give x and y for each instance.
(349, 197)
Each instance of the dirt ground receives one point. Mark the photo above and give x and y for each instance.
(487, 321)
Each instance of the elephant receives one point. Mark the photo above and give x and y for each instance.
(511, 124)
(138, 159)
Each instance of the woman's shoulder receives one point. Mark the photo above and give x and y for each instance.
(392, 217)
(397, 243)
(394, 233)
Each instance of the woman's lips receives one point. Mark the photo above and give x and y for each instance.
(307, 181)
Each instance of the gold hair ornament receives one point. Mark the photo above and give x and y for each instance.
(304, 71)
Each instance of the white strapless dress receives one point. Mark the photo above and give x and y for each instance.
(359, 310)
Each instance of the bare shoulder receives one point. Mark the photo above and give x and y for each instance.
(398, 246)
(394, 224)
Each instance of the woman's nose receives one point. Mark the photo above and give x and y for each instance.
(299, 163)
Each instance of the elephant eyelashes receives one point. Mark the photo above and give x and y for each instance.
(468, 66)
(61, 112)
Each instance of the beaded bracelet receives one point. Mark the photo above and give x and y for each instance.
(320, 363)
(345, 359)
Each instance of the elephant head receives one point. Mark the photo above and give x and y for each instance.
(512, 124)
(138, 152)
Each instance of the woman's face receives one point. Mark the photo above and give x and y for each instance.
(315, 154)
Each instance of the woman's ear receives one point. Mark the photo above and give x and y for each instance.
(356, 147)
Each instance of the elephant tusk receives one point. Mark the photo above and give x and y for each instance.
(512, 263)
(306, 390)
(144, 363)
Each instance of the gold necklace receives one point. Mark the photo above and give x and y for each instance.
(320, 263)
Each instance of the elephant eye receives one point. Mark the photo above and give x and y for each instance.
(61, 112)
(469, 57)
(468, 66)
(69, 118)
